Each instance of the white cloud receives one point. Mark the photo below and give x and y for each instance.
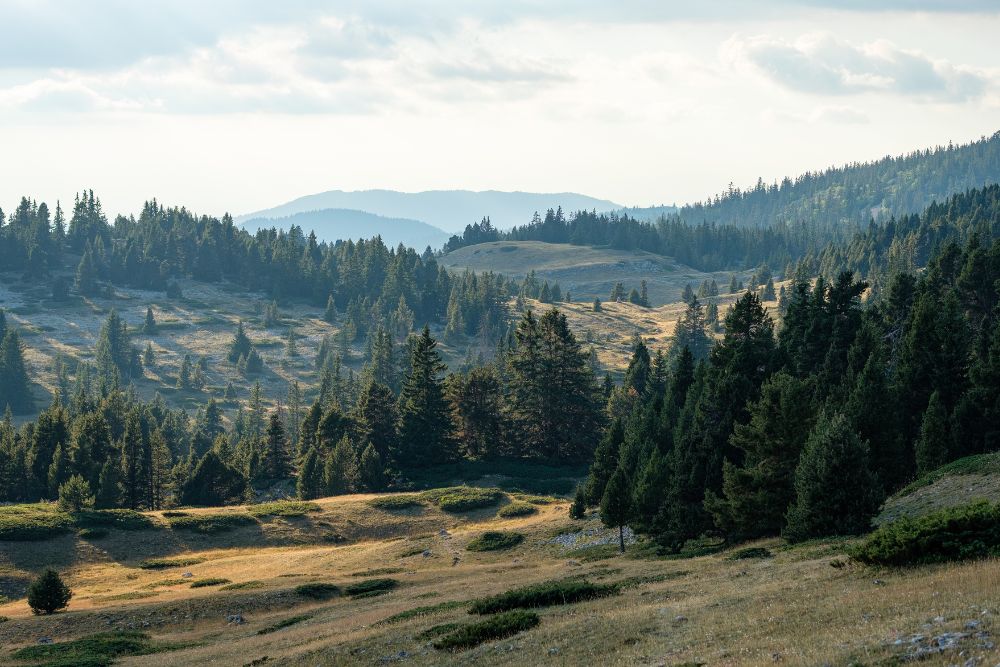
(820, 63)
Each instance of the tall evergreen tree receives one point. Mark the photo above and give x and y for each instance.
(15, 389)
(425, 430)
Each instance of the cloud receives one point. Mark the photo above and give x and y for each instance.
(822, 64)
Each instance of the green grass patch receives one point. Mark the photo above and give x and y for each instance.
(283, 508)
(750, 553)
(397, 502)
(164, 563)
(956, 533)
(981, 464)
(40, 521)
(284, 623)
(643, 579)
(426, 610)
(211, 524)
(371, 587)
(545, 594)
(496, 627)
(98, 650)
(494, 540)
(93, 533)
(514, 510)
(210, 581)
(165, 583)
(377, 571)
(318, 590)
(438, 630)
(118, 519)
(536, 500)
(594, 553)
(463, 498)
(131, 595)
(243, 586)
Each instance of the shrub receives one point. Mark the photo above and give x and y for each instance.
(749, 552)
(515, 510)
(536, 500)
(438, 630)
(318, 590)
(956, 533)
(594, 552)
(210, 581)
(283, 508)
(164, 563)
(211, 523)
(545, 594)
(495, 541)
(20, 523)
(376, 571)
(371, 587)
(980, 464)
(93, 650)
(75, 494)
(243, 586)
(284, 623)
(48, 593)
(463, 498)
(396, 502)
(423, 611)
(497, 627)
(174, 513)
(120, 519)
(93, 533)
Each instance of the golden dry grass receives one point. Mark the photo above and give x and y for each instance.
(794, 608)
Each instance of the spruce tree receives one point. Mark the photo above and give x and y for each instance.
(277, 460)
(616, 505)
(109, 489)
(371, 470)
(75, 495)
(425, 431)
(932, 447)
(240, 347)
(86, 273)
(330, 314)
(48, 594)
(835, 490)
(309, 484)
(15, 390)
(149, 325)
(605, 463)
(340, 473)
(578, 509)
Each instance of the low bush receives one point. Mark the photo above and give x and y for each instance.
(376, 571)
(956, 533)
(495, 541)
(537, 500)
(423, 611)
(93, 533)
(211, 524)
(438, 630)
(749, 553)
(396, 502)
(463, 498)
(284, 623)
(209, 581)
(545, 594)
(97, 650)
(283, 508)
(515, 510)
(497, 627)
(164, 563)
(243, 586)
(119, 519)
(170, 514)
(22, 523)
(370, 587)
(318, 590)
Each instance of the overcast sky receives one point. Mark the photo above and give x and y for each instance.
(236, 105)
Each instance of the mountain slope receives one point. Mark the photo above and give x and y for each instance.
(333, 224)
(450, 210)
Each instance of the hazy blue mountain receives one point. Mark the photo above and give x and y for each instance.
(332, 224)
(450, 210)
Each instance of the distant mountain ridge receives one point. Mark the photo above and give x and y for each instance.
(449, 210)
(333, 224)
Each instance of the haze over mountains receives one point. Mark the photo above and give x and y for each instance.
(428, 217)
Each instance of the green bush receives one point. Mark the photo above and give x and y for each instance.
(423, 611)
(545, 594)
(164, 563)
(75, 494)
(284, 623)
(21, 523)
(515, 510)
(749, 553)
(283, 508)
(396, 502)
(318, 590)
(438, 630)
(537, 500)
(376, 571)
(120, 519)
(97, 650)
(956, 533)
(169, 514)
(493, 540)
(463, 498)
(211, 524)
(371, 587)
(48, 593)
(209, 581)
(243, 586)
(497, 627)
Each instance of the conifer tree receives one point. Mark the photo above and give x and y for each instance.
(48, 594)
(277, 460)
(135, 461)
(109, 491)
(86, 273)
(835, 490)
(149, 325)
(340, 473)
(597, 305)
(240, 347)
(330, 314)
(425, 430)
(309, 484)
(371, 471)
(932, 447)
(605, 463)
(75, 495)
(616, 505)
(578, 509)
(291, 347)
(15, 390)
(148, 356)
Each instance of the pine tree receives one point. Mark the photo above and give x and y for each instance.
(109, 490)
(690, 332)
(605, 463)
(425, 431)
(277, 460)
(330, 314)
(240, 347)
(835, 490)
(340, 473)
(75, 495)
(86, 273)
(184, 374)
(149, 356)
(310, 480)
(597, 305)
(578, 509)
(15, 390)
(616, 505)
(932, 447)
(113, 353)
(149, 325)
(135, 461)
(377, 418)
(371, 471)
(291, 348)
(688, 296)
(48, 594)
(477, 405)
(213, 483)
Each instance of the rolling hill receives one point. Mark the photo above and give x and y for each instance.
(450, 210)
(333, 224)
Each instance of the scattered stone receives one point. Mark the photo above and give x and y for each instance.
(235, 619)
(972, 625)
(426, 553)
(397, 657)
(187, 575)
(879, 582)
(680, 618)
(573, 563)
(45, 640)
(554, 651)
(444, 533)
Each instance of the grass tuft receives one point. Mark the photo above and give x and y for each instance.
(495, 541)
(209, 581)
(284, 623)
(287, 508)
(118, 519)
(371, 587)
(98, 650)
(243, 586)
(497, 627)
(426, 610)
(515, 510)
(318, 590)
(396, 502)
(545, 594)
(750, 553)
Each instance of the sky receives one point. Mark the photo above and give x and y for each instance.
(238, 105)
